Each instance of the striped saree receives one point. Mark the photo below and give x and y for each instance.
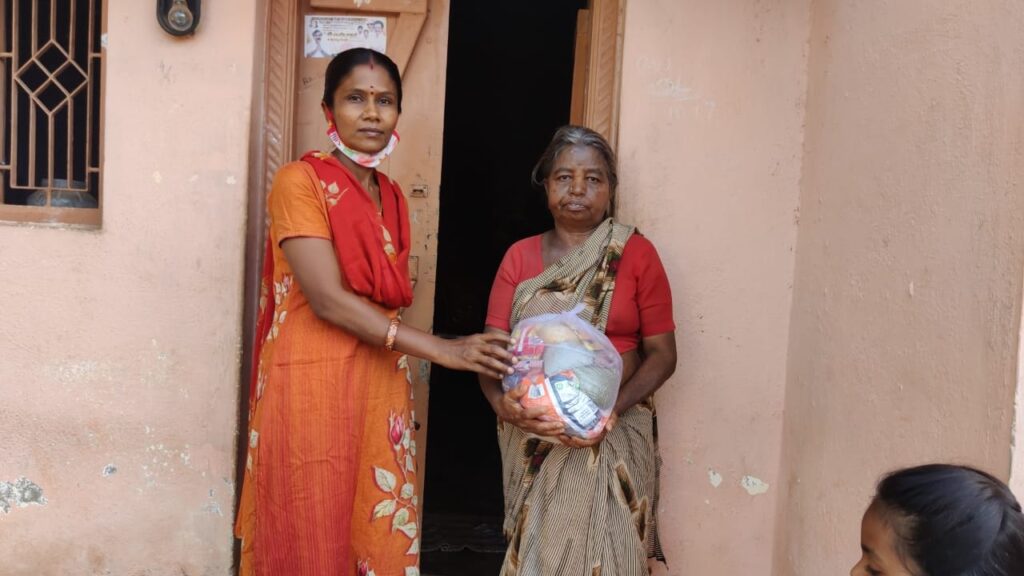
(581, 512)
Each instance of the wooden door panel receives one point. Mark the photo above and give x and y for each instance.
(580, 66)
(288, 121)
(598, 67)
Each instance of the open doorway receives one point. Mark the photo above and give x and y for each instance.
(509, 87)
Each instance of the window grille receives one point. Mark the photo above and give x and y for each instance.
(51, 102)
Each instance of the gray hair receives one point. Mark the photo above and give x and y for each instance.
(567, 137)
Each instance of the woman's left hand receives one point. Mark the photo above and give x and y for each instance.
(574, 442)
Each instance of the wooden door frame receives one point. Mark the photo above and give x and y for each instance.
(276, 59)
(597, 72)
(270, 147)
(595, 100)
(272, 135)
(273, 112)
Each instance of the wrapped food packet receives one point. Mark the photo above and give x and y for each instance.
(568, 367)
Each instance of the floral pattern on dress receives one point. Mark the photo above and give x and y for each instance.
(389, 246)
(264, 292)
(403, 364)
(401, 502)
(281, 291)
(332, 193)
(363, 569)
(261, 381)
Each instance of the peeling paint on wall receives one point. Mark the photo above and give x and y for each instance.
(754, 486)
(21, 493)
(109, 470)
(715, 478)
(79, 375)
(163, 460)
(212, 507)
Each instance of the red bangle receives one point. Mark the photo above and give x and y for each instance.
(389, 341)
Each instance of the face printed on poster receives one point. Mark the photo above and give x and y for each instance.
(326, 36)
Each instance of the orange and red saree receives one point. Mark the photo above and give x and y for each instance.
(330, 480)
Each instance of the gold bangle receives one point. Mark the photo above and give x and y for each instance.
(389, 341)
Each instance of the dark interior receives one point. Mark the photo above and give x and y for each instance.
(509, 88)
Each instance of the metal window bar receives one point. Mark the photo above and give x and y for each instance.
(50, 83)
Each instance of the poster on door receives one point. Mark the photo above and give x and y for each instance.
(328, 35)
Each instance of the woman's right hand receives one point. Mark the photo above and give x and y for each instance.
(485, 354)
(509, 409)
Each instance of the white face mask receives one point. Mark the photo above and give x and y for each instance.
(362, 158)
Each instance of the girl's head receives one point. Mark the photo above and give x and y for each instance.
(942, 520)
(363, 98)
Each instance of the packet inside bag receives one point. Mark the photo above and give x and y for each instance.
(569, 368)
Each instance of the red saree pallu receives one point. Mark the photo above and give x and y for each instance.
(330, 481)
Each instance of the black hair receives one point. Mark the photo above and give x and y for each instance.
(567, 137)
(343, 64)
(953, 521)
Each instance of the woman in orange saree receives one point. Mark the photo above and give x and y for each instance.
(330, 481)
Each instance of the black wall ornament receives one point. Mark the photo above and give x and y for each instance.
(178, 17)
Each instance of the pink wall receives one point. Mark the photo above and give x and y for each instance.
(889, 142)
(909, 264)
(710, 149)
(119, 346)
(888, 138)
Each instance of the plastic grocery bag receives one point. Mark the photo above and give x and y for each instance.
(567, 366)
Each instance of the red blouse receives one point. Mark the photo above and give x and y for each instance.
(641, 303)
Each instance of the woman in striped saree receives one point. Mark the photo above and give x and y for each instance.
(578, 507)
